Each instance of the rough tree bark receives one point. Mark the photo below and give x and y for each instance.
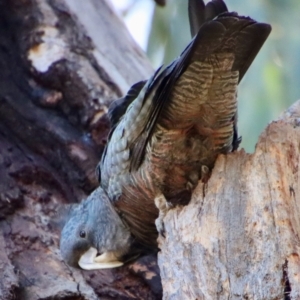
(62, 62)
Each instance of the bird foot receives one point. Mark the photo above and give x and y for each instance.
(163, 206)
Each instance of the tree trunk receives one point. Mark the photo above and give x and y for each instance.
(239, 236)
(62, 62)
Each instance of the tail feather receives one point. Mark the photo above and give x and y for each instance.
(214, 8)
(199, 88)
(199, 13)
(245, 38)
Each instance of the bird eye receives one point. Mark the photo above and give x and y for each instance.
(82, 234)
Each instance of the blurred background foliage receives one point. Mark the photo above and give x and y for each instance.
(272, 83)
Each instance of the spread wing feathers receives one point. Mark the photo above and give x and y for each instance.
(115, 159)
(115, 113)
(197, 90)
(118, 107)
(199, 13)
(209, 67)
(209, 37)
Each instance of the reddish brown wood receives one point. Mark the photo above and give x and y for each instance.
(61, 65)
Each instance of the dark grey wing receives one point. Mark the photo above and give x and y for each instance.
(249, 42)
(115, 161)
(196, 15)
(200, 13)
(116, 111)
(118, 107)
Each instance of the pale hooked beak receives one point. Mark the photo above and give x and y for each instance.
(90, 261)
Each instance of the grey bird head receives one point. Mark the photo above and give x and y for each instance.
(94, 236)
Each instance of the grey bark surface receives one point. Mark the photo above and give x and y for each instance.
(62, 63)
(239, 236)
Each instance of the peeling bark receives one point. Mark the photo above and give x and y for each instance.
(62, 62)
(240, 239)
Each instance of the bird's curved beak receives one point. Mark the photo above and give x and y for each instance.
(90, 261)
